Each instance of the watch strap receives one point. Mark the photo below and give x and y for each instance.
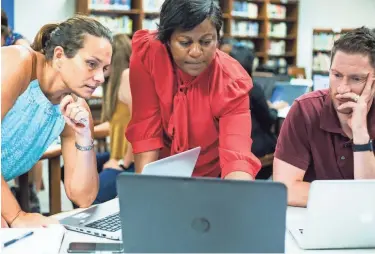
(363, 148)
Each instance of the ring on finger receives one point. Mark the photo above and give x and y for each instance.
(356, 98)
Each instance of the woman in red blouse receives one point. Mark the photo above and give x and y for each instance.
(187, 93)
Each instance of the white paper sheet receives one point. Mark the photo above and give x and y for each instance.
(42, 241)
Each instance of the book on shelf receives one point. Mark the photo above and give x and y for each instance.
(123, 5)
(321, 62)
(276, 11)
(323, 41)
(123, 24)
(277, 29)
(245, 9)
(150, 24)
(276, 48)
(152, 5)
(245, 28)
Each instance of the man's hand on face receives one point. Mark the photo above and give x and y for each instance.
(359, 104)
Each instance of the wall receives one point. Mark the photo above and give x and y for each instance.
(8, 7)
(315, 14)
(28, 22)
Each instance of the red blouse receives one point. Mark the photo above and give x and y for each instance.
(174, 112)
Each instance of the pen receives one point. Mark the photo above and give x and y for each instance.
(18, 238)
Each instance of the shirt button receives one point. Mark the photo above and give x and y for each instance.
(342, 157)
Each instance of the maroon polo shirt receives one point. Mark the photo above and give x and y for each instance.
(311, 138)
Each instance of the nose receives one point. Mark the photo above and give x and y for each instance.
(195, 50)
(99, 76)
(343, 87)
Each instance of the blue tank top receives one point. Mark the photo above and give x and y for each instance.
(27, 130)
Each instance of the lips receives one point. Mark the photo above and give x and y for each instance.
(342, 101)
(91, 87)
(195, 65)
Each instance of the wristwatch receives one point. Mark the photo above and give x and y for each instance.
(363, 148)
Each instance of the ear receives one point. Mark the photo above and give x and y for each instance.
(58, 56)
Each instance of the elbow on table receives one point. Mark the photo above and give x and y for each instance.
(82, 196)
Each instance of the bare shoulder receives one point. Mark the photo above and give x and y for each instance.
(17, 65)
(16, 74)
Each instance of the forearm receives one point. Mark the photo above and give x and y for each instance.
(82, 182)
(298, 193)
(141, 159)
(364, 165)
(129, 157)
(9, 205)
(101, 130)
(364, 162)
(239, 175)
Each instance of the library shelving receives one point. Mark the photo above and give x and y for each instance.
(269, 26)
(323, 40)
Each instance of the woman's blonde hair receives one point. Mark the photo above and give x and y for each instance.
(120, 62)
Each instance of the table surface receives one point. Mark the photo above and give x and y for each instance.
(290, 244)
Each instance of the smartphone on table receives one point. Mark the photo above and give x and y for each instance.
(90, 247)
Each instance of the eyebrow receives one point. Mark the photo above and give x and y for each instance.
(362, 75)
(100, 61)
(97, 59)
(183, 35)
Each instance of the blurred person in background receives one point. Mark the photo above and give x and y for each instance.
(263, 113)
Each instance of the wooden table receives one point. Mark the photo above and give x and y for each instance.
(52, 154)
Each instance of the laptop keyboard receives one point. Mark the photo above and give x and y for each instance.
(110, 223)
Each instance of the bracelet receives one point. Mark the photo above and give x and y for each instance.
(10, 224)
(85, 148)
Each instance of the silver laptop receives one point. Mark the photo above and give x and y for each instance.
(181, 164)
(103, 220)
(340, 214)
(205, 215)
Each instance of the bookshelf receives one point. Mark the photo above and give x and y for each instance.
(269, 26)
(323, 40)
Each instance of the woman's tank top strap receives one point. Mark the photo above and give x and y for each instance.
(27, 130)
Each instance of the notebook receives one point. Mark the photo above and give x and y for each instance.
(42, 241)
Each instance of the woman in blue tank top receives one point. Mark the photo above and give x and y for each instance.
(42, 97)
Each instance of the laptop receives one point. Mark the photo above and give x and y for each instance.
(284, 91)
(103, 220)
(205, 215)
(181, 164)
(340, 214)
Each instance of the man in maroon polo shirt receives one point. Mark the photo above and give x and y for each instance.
(328, 133)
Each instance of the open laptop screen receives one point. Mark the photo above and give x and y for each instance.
(288, 92)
